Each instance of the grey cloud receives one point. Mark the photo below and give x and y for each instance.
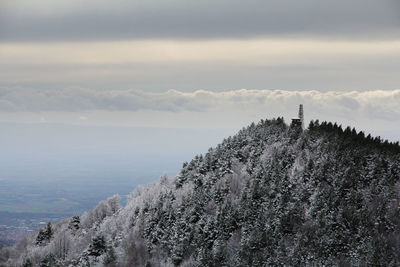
(348, 102)
(110, 20)
(217, 76)
(373, 104)
(82, 99)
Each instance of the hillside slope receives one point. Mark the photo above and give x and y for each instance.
(270, 195)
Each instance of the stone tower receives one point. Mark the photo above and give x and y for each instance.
(299, 121)
(301, 115)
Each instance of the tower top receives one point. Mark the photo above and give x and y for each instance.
(301, 115)
(299, 121)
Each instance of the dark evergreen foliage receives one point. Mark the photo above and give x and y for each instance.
(323, 196)
(272, 195)
(111, 257)
(27, 263)
(44, 235)
(49, 261)
(98, 246)
(75, 223)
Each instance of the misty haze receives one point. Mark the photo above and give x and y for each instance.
(199, 133)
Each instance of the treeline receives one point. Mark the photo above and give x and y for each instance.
(272, 195)
(355, 137)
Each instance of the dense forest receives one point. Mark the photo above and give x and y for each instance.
(272, 195)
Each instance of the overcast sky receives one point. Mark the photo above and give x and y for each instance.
(203, 64)
(104, 20)
(113, 93)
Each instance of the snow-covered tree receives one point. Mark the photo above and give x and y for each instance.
(267, 196)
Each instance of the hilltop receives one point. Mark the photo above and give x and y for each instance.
(270, 195)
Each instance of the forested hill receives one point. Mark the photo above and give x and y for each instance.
(272, 195)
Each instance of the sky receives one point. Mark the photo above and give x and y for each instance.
(211, 67)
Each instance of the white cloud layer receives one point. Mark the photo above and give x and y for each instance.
(377, 104)
(376, 112)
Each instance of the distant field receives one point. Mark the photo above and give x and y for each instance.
(16, 225)
(57, 198)
(52, 171)
(26, 206)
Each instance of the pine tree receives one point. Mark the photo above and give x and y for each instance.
(27, 263)
(49, 231)
(49, 261)
(98, 246)
(44, 235)
(75, 222)
(110, 258)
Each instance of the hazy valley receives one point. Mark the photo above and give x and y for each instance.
(271, 194)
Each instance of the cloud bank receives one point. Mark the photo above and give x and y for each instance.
(378, 104)
(156, 65)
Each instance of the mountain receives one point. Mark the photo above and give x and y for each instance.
(270, 195)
